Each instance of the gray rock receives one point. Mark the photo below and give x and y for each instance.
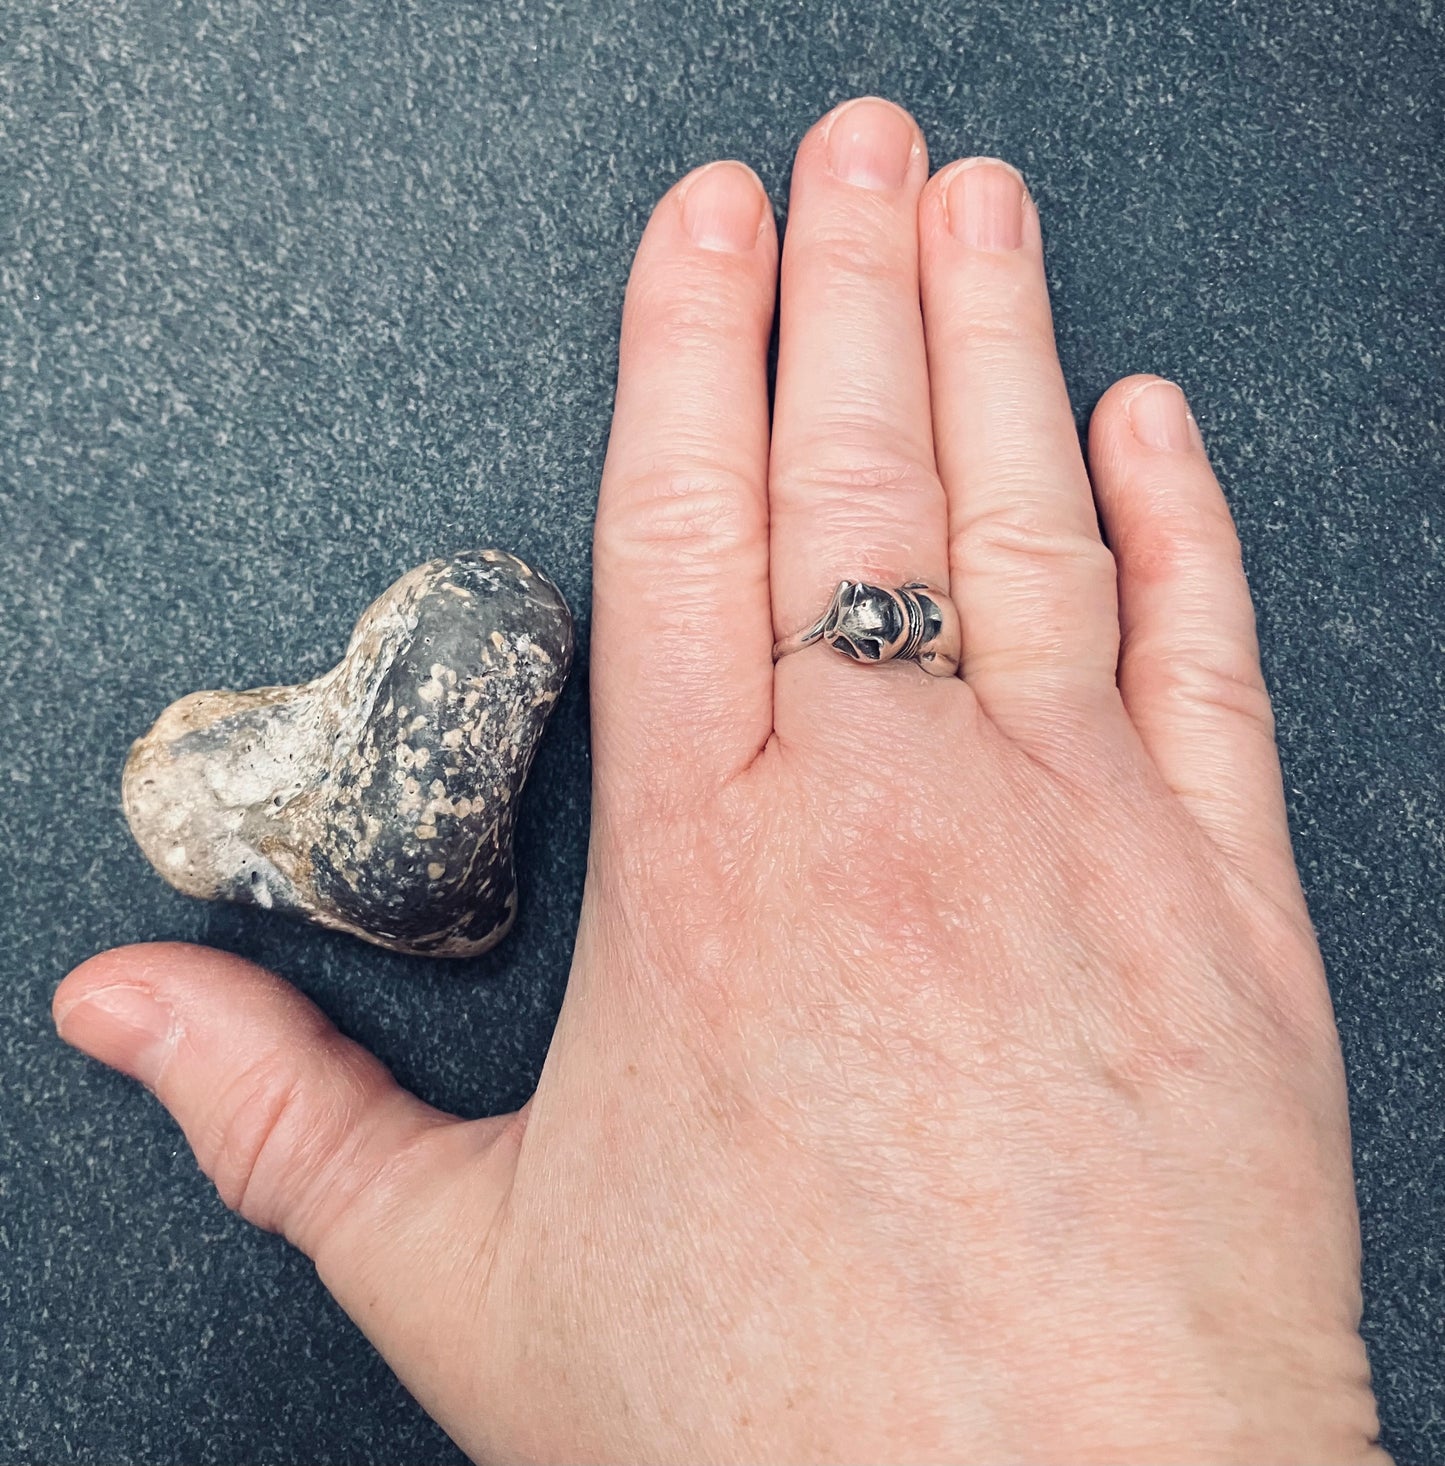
(380, 798)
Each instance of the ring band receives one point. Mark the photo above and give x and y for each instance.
(873, 624)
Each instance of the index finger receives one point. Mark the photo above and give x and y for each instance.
(682, 670)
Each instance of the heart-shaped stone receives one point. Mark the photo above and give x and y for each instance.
(380, 798)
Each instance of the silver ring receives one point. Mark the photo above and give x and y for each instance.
(873, 624)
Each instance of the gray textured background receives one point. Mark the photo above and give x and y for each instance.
(293, 296)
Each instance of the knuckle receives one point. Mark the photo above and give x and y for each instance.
(994, 315)
(1221, 680)
(673, 319)
(826, 471)
(1170, 546)
(851, 251)
(254, 1107)
(1002, 542)
(275, 1135)
(693, 512)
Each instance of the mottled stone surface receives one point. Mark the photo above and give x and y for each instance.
(293, 295)
(379, 798)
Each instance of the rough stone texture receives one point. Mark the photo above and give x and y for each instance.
(293, 297)
(379, 798)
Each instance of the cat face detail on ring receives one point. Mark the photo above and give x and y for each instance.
(872, 624)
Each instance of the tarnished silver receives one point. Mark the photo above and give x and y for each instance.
(874, 624)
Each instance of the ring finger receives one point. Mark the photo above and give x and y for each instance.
(853, 489)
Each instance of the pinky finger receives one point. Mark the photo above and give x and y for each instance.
(1189, 669)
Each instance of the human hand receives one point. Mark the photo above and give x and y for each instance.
(947, 1069)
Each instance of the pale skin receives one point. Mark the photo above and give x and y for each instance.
(947, 1070)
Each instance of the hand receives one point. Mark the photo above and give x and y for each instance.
(947, 1070)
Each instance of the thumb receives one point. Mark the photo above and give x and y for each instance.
(306, 1133)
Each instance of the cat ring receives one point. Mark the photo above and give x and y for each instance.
(873, 624)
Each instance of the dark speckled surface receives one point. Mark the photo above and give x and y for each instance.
(293, 297)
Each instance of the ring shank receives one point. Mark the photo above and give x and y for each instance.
(797, 641)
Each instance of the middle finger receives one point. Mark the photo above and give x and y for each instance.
(853, 489)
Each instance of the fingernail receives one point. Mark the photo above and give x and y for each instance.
(870, 144)
(1160, 418)
(984, 202)
(722, 208)
(124, 1027)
